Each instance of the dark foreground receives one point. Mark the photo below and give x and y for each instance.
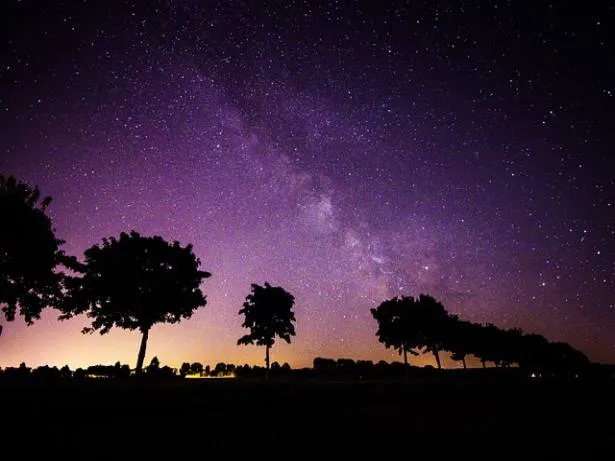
(473, 415)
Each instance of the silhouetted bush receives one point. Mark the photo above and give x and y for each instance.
(21, 372)
(46, 372)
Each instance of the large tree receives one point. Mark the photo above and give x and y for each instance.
(268, 313)
(397, 325)
(134, 282)
(29, 252)
(433, 321)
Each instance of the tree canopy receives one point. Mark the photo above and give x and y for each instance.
(408, 324)
(397, 327)
(29, 252)
(433, 323)
(134, 282)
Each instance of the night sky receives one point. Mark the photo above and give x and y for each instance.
(346, 151)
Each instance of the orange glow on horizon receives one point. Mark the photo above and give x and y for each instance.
(53, 343)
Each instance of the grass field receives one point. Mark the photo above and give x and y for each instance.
(437, 414)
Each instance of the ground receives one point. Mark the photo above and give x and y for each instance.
(298, 418)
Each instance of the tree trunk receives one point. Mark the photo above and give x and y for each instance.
(436, 354)
(406, 370)
(484, 362)
(267, 363)
(141, 356)
(463, 360)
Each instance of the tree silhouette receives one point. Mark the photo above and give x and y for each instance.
(534, 352)
(154, 366)
(29, 252)
(323, 365)
(65, 372)
(220, 369)
(409, 324)
(563, 357)
(268, 312)
(458, 339)
(433, 321)
(490, 340)
(397, 325)
(184, 369)
(475, 342)
(196, 368)
(507, 346)
(133, 283)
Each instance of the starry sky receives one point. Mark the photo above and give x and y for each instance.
(346, 151)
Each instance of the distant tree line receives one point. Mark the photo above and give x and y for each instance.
(418, 325)
(154, 370)
(342, 369)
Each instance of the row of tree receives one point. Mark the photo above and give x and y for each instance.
(131, 282)
(418, 325)
(134, 282)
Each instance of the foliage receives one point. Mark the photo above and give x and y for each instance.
(134, 282)
(196, 368)
(268, 312)
(407, 324)
(423, 324)
(397, 325)
(184, 369)
(154, 365)
(433, 323)
(29, 252)
(458, 338)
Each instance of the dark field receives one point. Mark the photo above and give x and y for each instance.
(472, 414)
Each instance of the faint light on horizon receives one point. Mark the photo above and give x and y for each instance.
(225, 376)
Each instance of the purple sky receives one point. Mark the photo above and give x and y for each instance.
(346, 152)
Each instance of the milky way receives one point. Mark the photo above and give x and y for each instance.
(346, 152)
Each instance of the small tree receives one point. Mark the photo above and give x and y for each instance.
(184, 370)
(65, 372)
(29, 252)
(135, 282)
(154, 366)
(268, 312)
(196, 368)
(220, 369)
